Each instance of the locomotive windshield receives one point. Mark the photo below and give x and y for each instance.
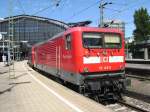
(101, 40)
(112, 41)
(92, 40)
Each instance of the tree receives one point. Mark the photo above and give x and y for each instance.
(142, 23)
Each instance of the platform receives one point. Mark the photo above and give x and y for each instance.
(33, 92)
(138, 66)
(139, 88)
(138, 61)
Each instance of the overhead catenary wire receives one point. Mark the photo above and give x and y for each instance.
(61, 9)
(127, 8)
(123, 4)
(57, 2)
(40, 10)
(47, 7)
(82, 10)
(115, 10)
(90, 6)
(22, 8)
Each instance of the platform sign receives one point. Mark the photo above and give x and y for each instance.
(4, 58)
(1, 36)
(3, 33)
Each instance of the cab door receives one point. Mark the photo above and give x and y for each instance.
(59, 52)
(58, 59)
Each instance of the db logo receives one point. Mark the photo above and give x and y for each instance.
(104, 59)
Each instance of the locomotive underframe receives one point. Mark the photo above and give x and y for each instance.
(109, 88)
(104, 86)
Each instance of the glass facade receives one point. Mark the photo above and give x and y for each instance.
(31, 29)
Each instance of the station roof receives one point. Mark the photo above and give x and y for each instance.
(57, 22)
(142, 44)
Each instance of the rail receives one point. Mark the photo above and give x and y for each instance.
(138, 109)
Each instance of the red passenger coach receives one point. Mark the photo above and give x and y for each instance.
(91, 58)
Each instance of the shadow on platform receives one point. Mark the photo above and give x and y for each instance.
(21, 75)
(13, 85)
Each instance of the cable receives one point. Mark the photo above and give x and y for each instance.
(63, 4)
(41, 10)
(22, 8)
(79, 12)
(127, 8)
(85, 9)
(115, 3)
(112, 9)
(58, 3)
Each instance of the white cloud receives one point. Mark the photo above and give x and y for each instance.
(1, 18)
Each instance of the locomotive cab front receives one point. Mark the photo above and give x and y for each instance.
(102, 61)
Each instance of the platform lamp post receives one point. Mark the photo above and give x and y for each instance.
(16, 52)
(2, 37)
(24, 42)
(127, 49)
(8, 52)
(102, 6)
(146, 51)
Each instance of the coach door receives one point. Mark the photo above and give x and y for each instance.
(35, 59)
(58, 60)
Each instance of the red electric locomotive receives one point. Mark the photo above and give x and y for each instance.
(91, 58)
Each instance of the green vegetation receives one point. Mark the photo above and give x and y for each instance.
(142, 23)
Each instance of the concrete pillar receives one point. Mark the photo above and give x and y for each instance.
(145, 53)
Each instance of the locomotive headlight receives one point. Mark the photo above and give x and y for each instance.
(85, 69)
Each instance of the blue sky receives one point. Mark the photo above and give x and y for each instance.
(74, 10)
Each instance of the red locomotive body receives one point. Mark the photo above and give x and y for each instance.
(92, 58)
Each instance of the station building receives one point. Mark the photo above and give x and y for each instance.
(28, 30)
(141, 50)
(118, 24)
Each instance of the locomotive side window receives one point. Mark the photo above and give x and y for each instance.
(112, 41)
(92, 40)
(68, 42)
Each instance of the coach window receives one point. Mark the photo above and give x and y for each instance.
(68, 42)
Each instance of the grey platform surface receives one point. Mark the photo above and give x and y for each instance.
(137, 60)
(140, 87)
(32, 92)
(138, 66)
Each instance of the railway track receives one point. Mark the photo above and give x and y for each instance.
(131, 105)
(138, 96)
(139, 77)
